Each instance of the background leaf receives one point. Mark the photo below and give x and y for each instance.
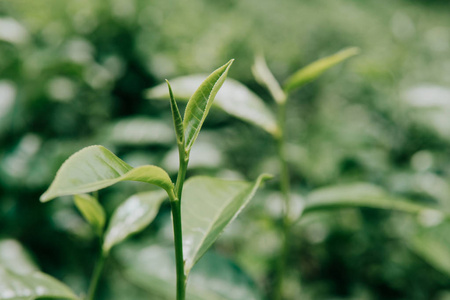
(31, 286)
(315, 69)
(15, 257)
(132, 216)
(208, 205)
(360, 195)
(199, 104)
(214, 278)
(265, 77)
(92, 211)
(234, 98)
(94, 168)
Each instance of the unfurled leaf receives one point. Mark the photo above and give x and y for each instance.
(359, 195)
(214, 278)
(15, 257)
(94, 168)
(176, 116)
(264, 77)
(92, 211)
(234, 98)
(199, 104)
(208, 205)
(35, 285)
(315, 69)
(132, 216)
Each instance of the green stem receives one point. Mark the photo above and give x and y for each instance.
(284, 187)
(175, 201)
(96, 276)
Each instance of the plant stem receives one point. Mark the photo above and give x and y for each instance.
(284, 187)
(96, 276)
(175, 202)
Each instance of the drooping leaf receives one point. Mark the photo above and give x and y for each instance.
(132, 216)
(177, 119)
(199, 104)
(94, 168)
(92, 211)
(264, 77)
(315, 69)
(31, 286)
(214, 278)
(359, 195)
(15, 257)
(208, 205)
(234, 98)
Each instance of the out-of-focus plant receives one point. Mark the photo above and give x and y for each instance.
(239, 101)
(207, 205)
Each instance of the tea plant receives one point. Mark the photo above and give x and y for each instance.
(237, 100)
(198, 217)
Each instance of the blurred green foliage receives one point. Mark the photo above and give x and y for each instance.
(73, 73)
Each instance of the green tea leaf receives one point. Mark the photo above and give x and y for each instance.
(132, 216)
(92, 211)
(214, 278)
(199, 104)
(177, 120)
(31, 286)
(15, 257)
(234, 98)
(359, 195)
(264, 77)
(315, 69)
(208, 205)
(94, 168)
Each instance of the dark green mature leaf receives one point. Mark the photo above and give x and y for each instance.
(359, 195)
(92, 211)
(94, 168)
(214, 278)
(177, 119)
(31, 286)
(315, 69)
(208, 205)
(15, 257)
(132, 216)
(199, 104)
(234, 98)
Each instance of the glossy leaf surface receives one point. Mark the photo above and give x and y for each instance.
(92, 211)
(94, 168)
(359, 195)
(214, 278)
(132, 216)
(200, 103)
(234, 98)
(35, 285)
(208, 205)
(315, 69)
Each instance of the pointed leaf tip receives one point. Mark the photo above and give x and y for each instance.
(199, 104)
(202, 224)
(94, 168)
(317, 68)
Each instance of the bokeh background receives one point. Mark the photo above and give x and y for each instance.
(74, 73)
